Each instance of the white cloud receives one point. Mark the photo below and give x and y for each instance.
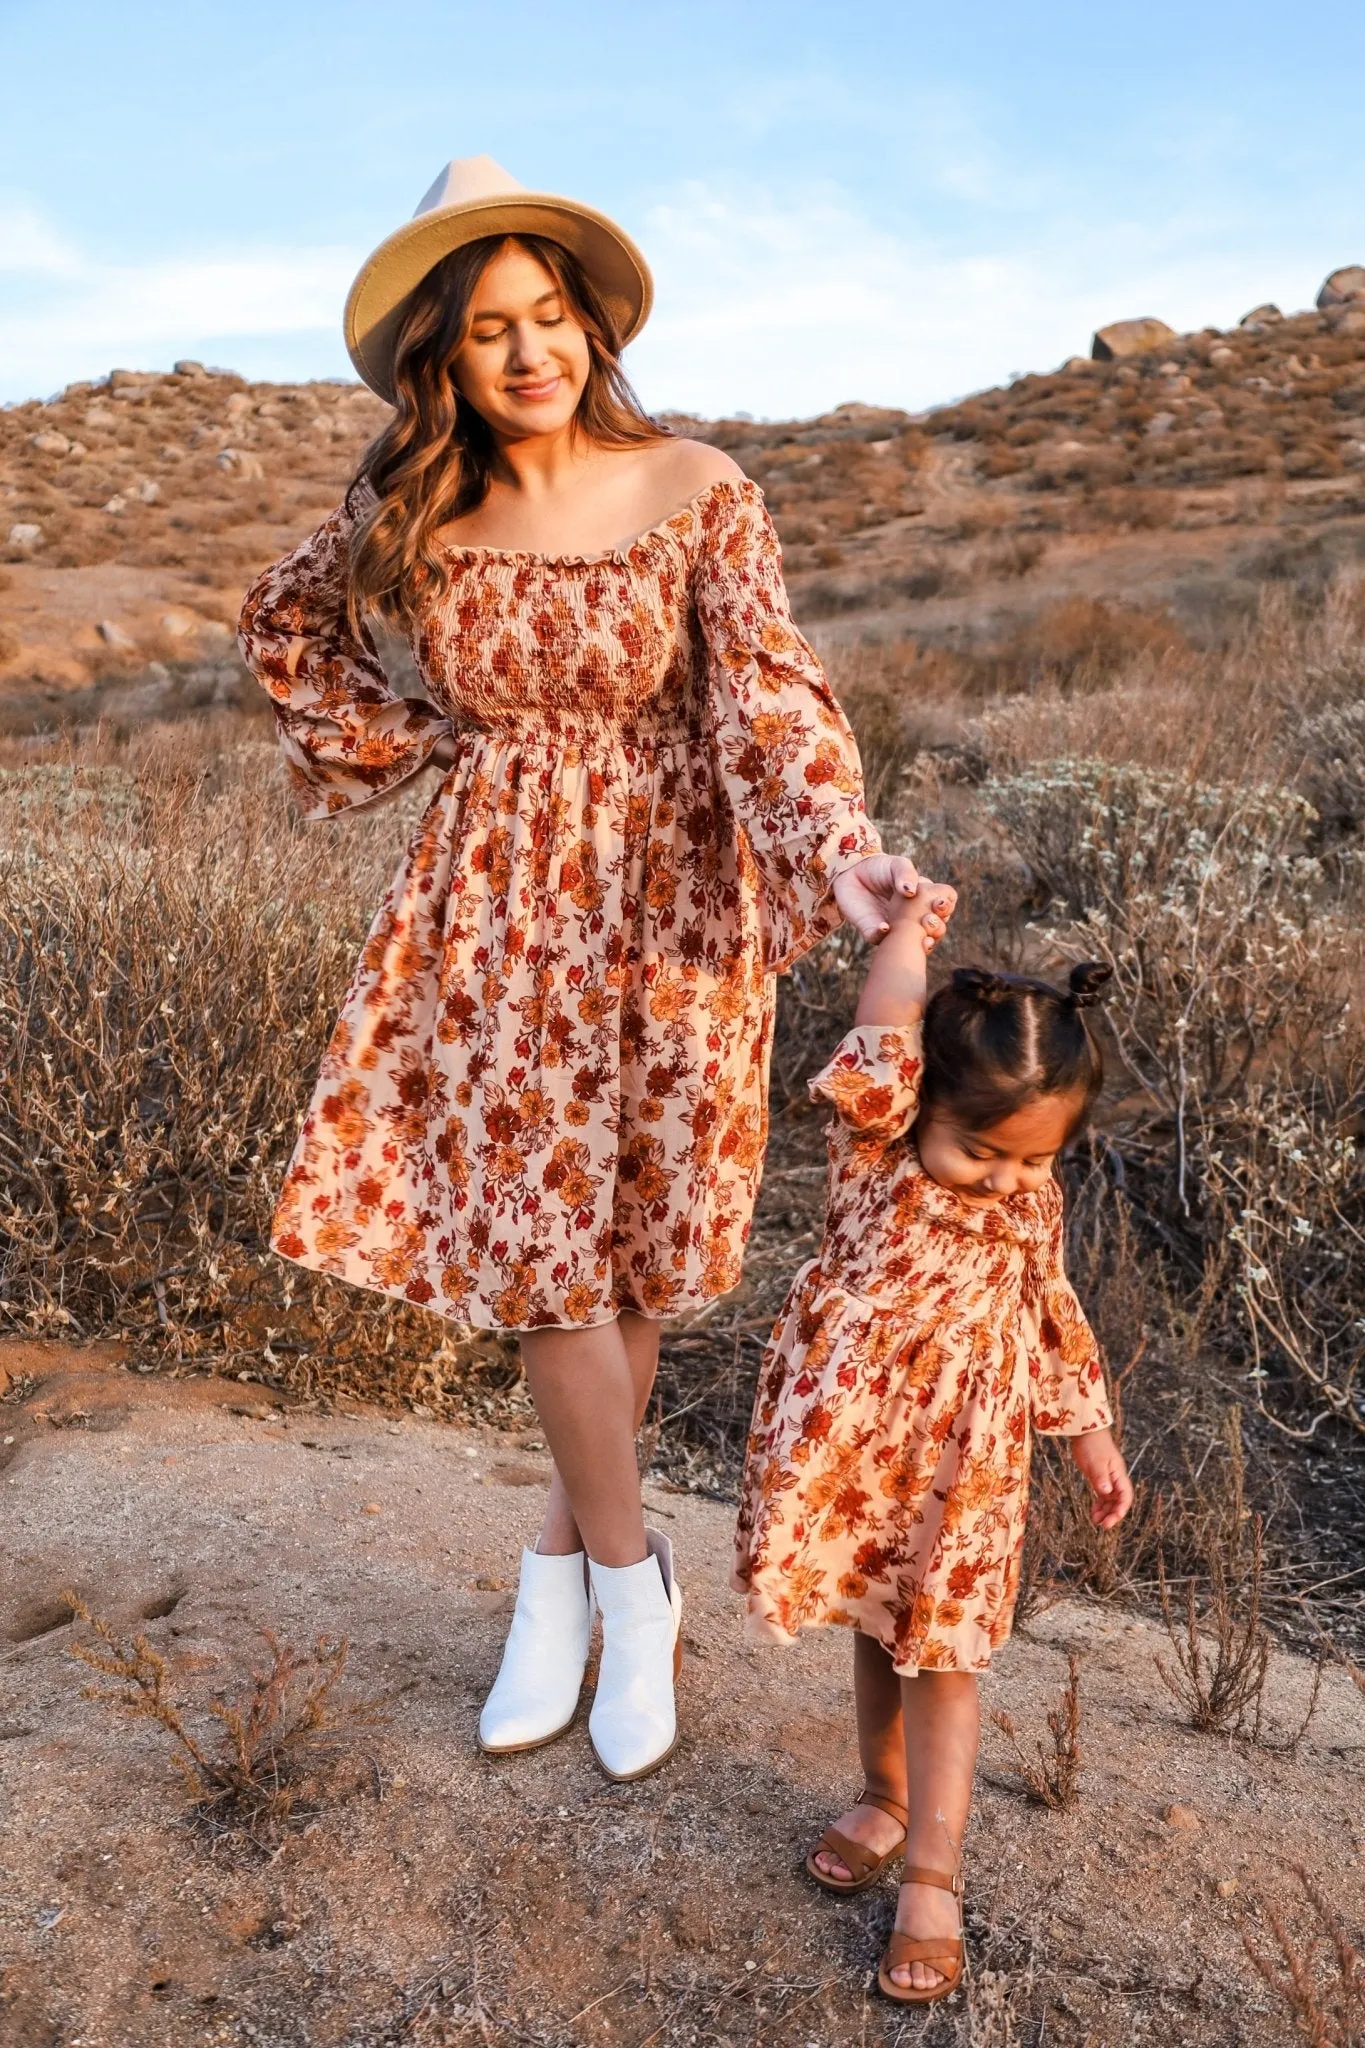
(72, 315)
(786, 308)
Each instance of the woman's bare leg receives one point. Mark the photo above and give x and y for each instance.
(591, 1389)
(881, 1745)
(941, 1714)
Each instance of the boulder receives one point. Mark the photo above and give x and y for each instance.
(187, 367)
(1343, 285)
(1261, 316)
(1131, 338)
(50, 442)
(1219, 358)
(1350, 318)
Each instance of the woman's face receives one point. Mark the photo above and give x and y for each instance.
(524, 363)
(1013, 1157)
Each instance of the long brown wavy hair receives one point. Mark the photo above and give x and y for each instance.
(434, 460)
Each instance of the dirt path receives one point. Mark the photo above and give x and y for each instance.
(454, 1900)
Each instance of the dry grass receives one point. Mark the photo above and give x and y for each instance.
(280, 1753)
(1319, 1975)
(1052, 1774)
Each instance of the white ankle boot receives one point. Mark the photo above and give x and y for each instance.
(633, 1723)
(535, 1694)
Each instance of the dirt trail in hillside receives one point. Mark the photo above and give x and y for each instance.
(454, 1900)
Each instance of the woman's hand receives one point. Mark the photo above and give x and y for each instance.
(866, 892)
(1100, 1463)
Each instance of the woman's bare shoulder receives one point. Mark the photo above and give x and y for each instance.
(689, 466)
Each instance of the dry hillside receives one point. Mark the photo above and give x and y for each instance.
(1101, 507)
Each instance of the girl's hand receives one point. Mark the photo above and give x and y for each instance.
(443, 754)
(1100, 1463)
(867, 891)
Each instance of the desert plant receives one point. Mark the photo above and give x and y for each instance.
(1320, 1979)
(279, 1754)
(1222, 1656)
(1052, 1775)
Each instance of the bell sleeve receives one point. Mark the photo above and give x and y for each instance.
(347, 739)
(785, 751)
(1066, 1380)
(873, 1080)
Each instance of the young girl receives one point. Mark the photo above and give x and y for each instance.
(887, 1473)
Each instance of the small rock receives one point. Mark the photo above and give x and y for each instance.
(122, 382)
(238, 405)
(187, 367)
(1225, 1887)
(27, 534)
(114, 636)
(148, 491)
(1342, 285)
(172, 452)
(246, 468)
(179, 625)
(76, 450)
(372, 1507)
(1220, 357)
(214, 633)
(1071, 363)
(50, 442)
(1161, 423)
(118, 503)
(1261, 316)
(1181, 1817)
(1130, 338)
(100, 416)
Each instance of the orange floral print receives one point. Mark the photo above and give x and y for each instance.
(545, 1098)
(886, 1481)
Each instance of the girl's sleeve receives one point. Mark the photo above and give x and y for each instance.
(347, 738)
(873, 1079)
(785, 751)
(1066, 1380)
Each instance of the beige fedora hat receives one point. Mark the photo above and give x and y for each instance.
(474, 197)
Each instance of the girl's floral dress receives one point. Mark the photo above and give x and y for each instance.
(545, 1098)
(886, 1482)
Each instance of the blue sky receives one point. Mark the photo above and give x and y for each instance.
(896, 203)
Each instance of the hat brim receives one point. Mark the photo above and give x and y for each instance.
(378, 299)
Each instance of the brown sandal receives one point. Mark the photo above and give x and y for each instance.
(858, 1858)
(940, 1951)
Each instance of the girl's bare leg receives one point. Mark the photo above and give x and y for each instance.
(591, 1389)
(941, 1715)
(881, 1746)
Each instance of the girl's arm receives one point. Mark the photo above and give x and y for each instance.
(897, 982)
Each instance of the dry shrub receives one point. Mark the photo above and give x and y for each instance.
(1052, 1775)
(1319, 1976)
(280, 1753)
(1218, 1688)
(177, 952)
(1236, 954)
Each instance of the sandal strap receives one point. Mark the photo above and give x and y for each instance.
(942, 1880)
(892, 1806)
(855, 1856)
(935, 1949)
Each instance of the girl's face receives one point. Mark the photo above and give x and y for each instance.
(524, 362)
(1013, 1157)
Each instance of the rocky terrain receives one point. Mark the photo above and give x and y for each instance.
(1136, 500)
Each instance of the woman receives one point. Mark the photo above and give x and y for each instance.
(544, 1104)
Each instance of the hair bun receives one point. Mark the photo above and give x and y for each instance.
(1087, 983)
(980, 985)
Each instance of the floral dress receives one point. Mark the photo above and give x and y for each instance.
(886, 1482)
(545, 1098)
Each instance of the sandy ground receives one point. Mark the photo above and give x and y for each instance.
(456, 1900)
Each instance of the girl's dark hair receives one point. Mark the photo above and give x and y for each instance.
(434, 460)
(994, 1042)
